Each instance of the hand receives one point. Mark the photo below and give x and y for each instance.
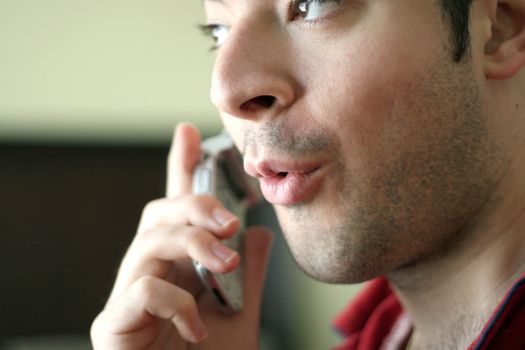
(157, 301)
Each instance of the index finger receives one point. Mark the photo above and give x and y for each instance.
(183, 156)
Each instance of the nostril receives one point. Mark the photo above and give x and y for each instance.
(263, 101)
(266, 101)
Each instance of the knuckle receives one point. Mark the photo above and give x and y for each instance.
(196, 236)
(94, 330)
(210, 200)
(201, 206)
(202, 200)
(149, 232)
(184, 205)
(195, 201)
(151, 207)
(186, 305)
(197, 239)
(145, 289)
(99, 328)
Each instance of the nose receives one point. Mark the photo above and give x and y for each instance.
(251, 79)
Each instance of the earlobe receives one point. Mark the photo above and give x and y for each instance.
(505, 50)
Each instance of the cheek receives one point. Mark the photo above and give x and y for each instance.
(358, 97)
(356, 101)
(356, 79)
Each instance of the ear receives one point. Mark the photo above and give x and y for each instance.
(505, 50)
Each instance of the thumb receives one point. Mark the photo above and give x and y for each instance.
(257, 243)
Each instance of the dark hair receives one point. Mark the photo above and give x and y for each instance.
(457, 13)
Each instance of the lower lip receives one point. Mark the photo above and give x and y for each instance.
(290, 189)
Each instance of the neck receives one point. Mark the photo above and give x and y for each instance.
(451, 294)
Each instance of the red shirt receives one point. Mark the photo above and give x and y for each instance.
(376, 320)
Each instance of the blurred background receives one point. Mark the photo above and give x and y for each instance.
(89, 94)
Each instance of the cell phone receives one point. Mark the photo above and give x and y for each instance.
(220, 173)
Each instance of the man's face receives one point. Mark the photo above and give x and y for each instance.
(369, 140)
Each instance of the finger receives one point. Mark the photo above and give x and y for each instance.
(257, 244)
(183, 156)
(154, 252)
(149, 297)
(171, 243)
(195, 210)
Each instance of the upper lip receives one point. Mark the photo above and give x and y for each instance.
(274, 167)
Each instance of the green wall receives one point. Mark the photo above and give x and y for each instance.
(112, 69)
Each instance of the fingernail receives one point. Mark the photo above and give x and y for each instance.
(224, 253)
(200, 331)
(223, 216)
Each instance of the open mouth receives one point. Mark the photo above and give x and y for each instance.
(288, 188)
(286, 181)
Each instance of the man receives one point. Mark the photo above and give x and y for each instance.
(390, 137)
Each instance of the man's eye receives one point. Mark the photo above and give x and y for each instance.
(217, 32)
(311, 10)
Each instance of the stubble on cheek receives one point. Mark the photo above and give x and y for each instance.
(417, 191)
(435, 172)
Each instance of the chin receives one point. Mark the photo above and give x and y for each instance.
(341, 252)
(336, 265)
(335, 274)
